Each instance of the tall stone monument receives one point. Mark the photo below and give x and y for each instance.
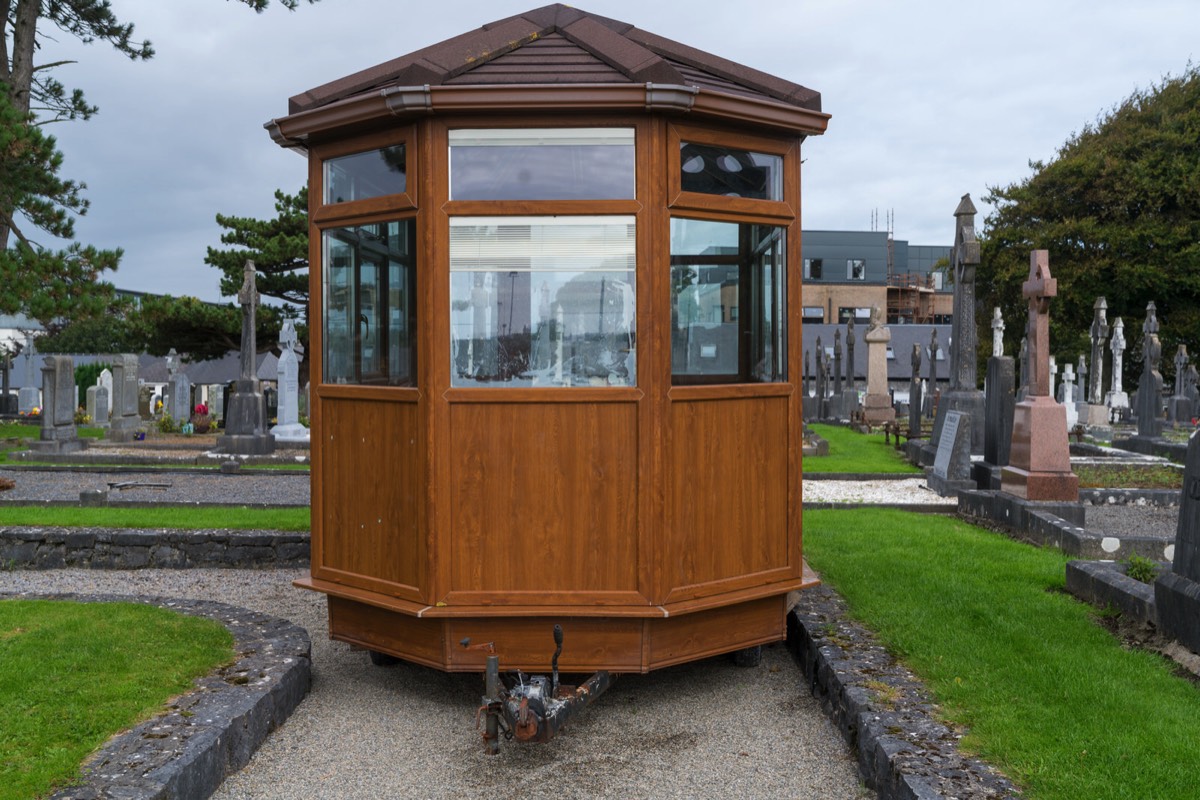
(914, 394)
(849, 391)
(8, 402)
(1116, 399)
(1023, 361)
(1149, 395)
(963, 395)
(58, 434)
(246, 420)
(1069, 396)
(877, 406)
(1099, 335)
(289, 428)
(997, 333)
(927, 407)
(1177, 593)
(1039, 465)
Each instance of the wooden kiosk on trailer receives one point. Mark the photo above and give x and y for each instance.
(555, 344)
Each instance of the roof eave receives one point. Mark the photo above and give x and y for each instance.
(408, 102)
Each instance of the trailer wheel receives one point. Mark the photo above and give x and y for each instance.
(748, 656)
(383, 659)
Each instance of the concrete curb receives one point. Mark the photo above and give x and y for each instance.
(882, 710)
(918, 508)
(142, 548)
(1104, 583)
(862, 476)
(212, 730)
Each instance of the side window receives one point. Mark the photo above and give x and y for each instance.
(813, 267)
(728, 294)
(730, 172)
(358, 176)
(856, 269)
(369, 290)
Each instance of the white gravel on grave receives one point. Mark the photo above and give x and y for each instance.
(910, 491)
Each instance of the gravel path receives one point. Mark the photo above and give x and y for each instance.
(707, 729)
(910, 491)
(281, 488)
(1132, 520)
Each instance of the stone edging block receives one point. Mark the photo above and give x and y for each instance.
(211, 731)
(1104, 583)
(882, 710)
(142, 548)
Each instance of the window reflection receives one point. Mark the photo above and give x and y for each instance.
(728, 290)
(543, 301)
(369, 295)
(542, 164)
(727, 171)
(374, 173)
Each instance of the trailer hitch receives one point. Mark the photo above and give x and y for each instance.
(530, 708)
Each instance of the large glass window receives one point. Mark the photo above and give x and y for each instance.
(542, 164)
(374, 173)
(710, 169)
(543, 301)
(369, 280)
(728, 311)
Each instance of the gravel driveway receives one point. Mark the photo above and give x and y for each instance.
(707, 729)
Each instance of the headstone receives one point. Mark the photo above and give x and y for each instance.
(997, 333)
(1053, 377)
(1068, 396)
(850, 356)
(1149, 400)
(1177, 592)
(1180, 409)
(58, 434)
(100, 414)
(1117, 399)
(1039, 465)
(145, 403)
(877, 406)
(808, 402)
(1190, 390)
(8, 401)
(1081, 382)
(245, 420)
(837, 362)
(1091, 415)
(179, 397)
(1099, 335)
(822, 381)
(914, 394)
(927, 409)
(106, 380)
(951, 470)
(999, 403)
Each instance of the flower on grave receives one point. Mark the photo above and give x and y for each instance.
(201, 409)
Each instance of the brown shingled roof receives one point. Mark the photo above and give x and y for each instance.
(559, 44)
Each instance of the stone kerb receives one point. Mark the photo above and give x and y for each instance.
(213, 730)
(118, 548)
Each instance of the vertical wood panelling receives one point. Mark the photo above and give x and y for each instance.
(729, 489)
(373, 493)
(544, 498)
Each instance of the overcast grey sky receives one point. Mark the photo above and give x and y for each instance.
(930, 100)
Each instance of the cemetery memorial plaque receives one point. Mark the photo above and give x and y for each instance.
(951, 470)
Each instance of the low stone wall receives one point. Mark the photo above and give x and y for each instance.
(212, 730)
(1104, 584)
(882, 710)
(1165, 498)
(1058, 525)
(1174, 451)
(138, 548)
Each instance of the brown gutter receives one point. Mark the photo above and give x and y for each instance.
(296, 130)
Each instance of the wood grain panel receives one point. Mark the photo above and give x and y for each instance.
(372, 493)
(679, 639)
(728, 483)
(544, 498)
(416, 640)
(528, 644)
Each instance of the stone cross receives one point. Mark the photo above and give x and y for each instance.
(837, 361)
(1068, 399)
(1181, 362)
(1023, 361)
(1081, 372)
(172, 363)
(1190, 379)
(805, 374)
(916, 362)
(997, 333)
(1151, 349)
(964, 258)
(248, 300)
(933, 351)
(1053, 375)
(850, 353)
(1116, 346)
(1099, 333)
(1039, 289)
(821, 376)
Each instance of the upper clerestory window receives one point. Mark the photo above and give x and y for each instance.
(542, 164)
(730, 172)
(358, 176)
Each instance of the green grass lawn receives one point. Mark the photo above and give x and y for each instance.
(188, 517)
(855, 452)
(74, 674)
(1046, 694)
